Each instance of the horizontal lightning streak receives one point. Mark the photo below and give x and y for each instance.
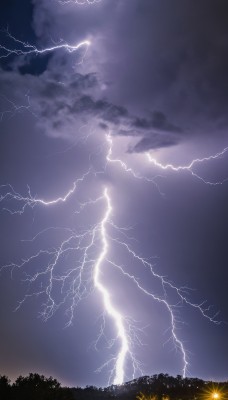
(79, 2)
(190, 166)
(28, 49)
(32, 201)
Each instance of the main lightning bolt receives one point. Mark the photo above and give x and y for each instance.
(117, 317)
(77, 281)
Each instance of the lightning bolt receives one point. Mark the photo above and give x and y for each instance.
(31, 201)
(79, 2)
(76, 281)
(14, 108)
(117, 317)
(182, 291)
(29, 49)
(190, 166)
(124, 166)
(90, 248)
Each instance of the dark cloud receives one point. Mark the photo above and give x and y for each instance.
(155, 141)
(71, 99)
(63, 106)
(156, 131)
(177, 64)
(158, 120)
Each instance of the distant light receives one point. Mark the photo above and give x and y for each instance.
(215, 395)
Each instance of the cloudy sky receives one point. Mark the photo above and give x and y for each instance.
(152, 81)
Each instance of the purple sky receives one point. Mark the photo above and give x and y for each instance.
(155, 77)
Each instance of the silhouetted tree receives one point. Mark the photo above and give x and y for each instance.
(5, 387)
(35, 386)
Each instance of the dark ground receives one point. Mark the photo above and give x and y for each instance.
(156, 387)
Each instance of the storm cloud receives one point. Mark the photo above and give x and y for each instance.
(184, 76)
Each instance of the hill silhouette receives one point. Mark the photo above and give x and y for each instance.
(156, 387)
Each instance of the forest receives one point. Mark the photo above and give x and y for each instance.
(156, 387)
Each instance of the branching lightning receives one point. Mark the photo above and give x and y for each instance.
(190, 166)
(74, 280)
(14, 108)
(79, 2)
(124, 166)
(31, 201)
(29, 49)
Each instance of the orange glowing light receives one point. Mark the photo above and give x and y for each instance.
(215, 395)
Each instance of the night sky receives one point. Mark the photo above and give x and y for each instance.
(155, 79)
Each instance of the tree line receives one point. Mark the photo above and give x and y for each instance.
(156, 387)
